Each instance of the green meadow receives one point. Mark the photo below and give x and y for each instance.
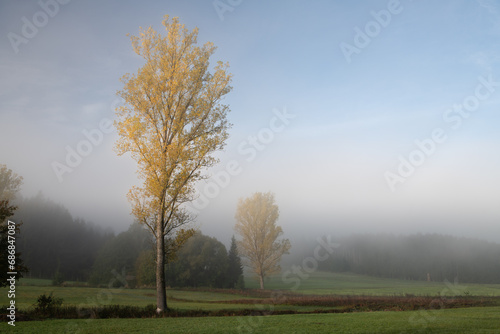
(459, 320)
(322, 283)
(472, 320)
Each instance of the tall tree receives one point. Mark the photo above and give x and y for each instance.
(256, 218)
(234, 267)
(10, 184)
(172, 123)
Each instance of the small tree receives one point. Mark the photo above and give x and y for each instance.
(10, 184)
(234, 267)
(172, 123)
(256, 223)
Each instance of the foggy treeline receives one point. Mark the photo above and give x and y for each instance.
(204, 261)
(116, 260)
(53, 243)
(129, 259)
(417, 257)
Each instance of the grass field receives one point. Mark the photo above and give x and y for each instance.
(351, 284)
(472, 320)
(26, 296)
(437, 321)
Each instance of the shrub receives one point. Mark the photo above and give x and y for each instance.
(46, 304)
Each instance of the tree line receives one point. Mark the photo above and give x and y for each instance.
(53, 243)
(129, 260)
(417, 257)
(56, 246)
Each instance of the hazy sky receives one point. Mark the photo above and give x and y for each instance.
(361, 116)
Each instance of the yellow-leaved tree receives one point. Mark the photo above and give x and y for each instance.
(172, 123)
(256, 218)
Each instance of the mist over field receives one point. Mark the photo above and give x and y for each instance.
(375, 117)
(203, 166)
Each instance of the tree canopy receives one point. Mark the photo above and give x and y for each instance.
(256, 219)
(171, 124)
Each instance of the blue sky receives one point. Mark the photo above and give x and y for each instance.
(352, 120)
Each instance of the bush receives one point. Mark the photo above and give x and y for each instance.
(46, 304)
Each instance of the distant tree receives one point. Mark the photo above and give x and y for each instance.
(172, 124)
(117, 258)
(256, 223)
(145, 268)
(234, 267)
(202, 261)
(417, 257)
(6, 210)
(10, 184)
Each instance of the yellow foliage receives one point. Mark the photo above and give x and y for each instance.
(256, 223)
(10, 183)
(171, 124)
(172, 121)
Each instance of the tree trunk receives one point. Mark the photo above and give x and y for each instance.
(161, 294)
(261, 281)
